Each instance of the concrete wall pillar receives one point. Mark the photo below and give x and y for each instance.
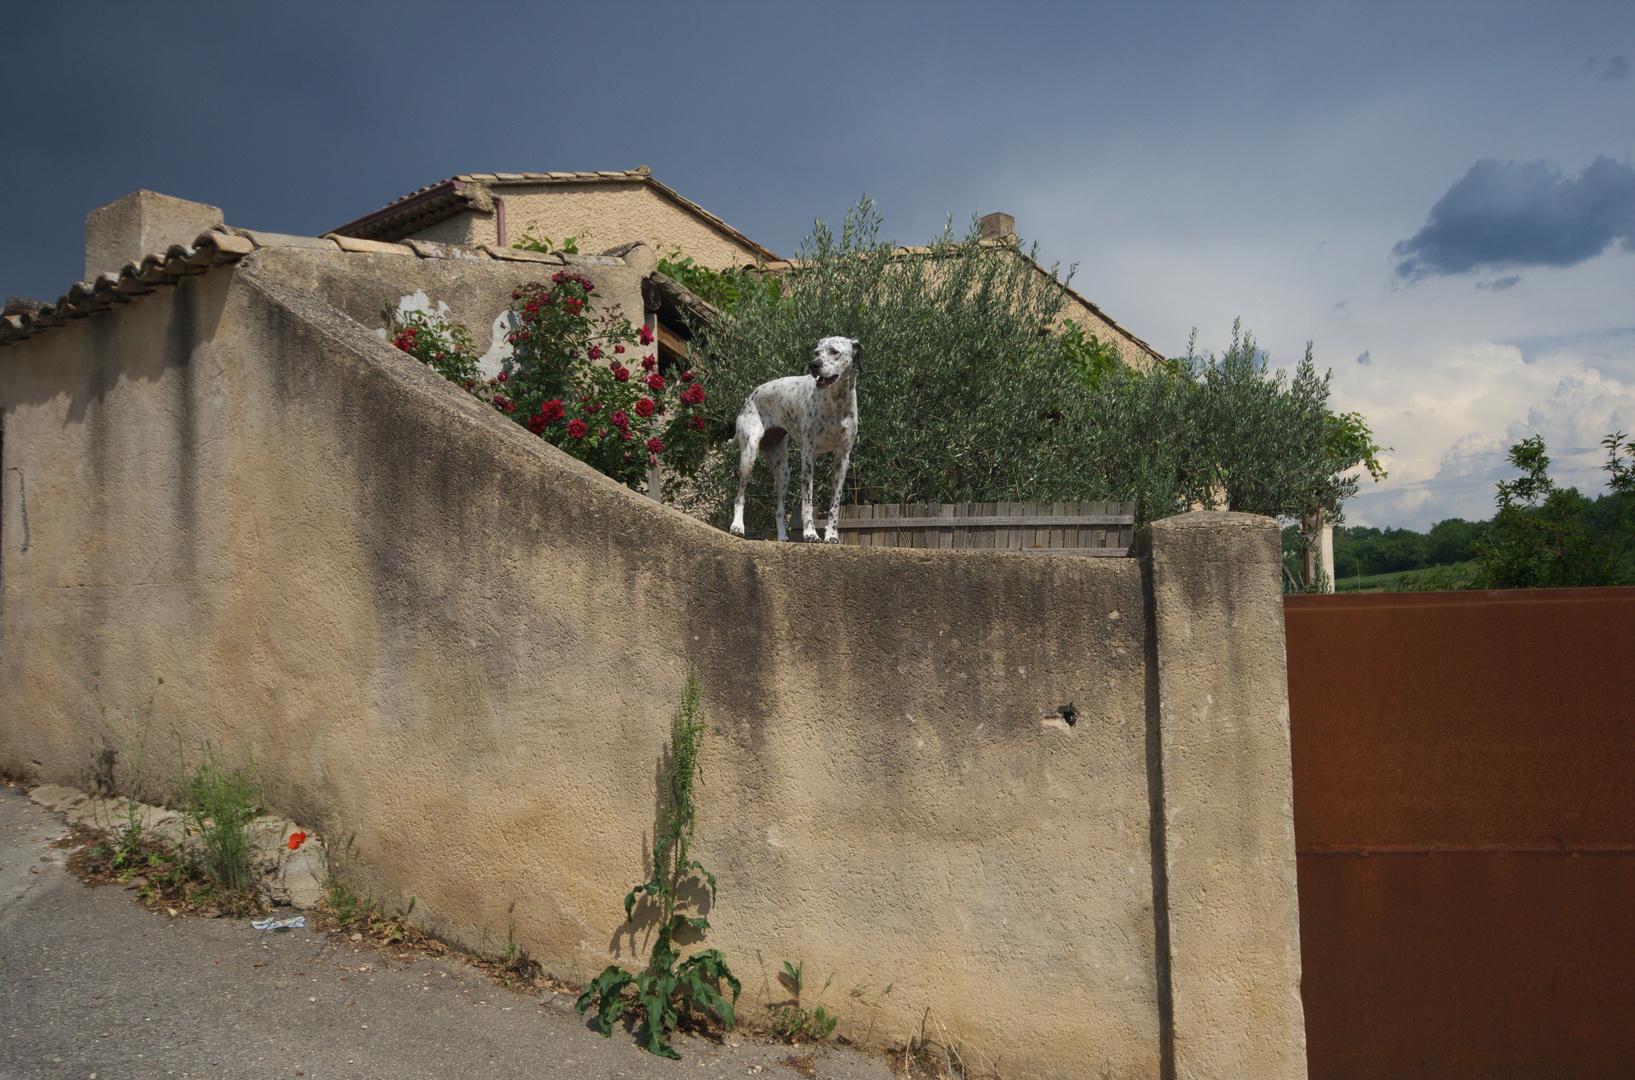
(1223, 800)
(141, 223)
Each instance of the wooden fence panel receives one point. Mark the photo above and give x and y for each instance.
(1063, 528)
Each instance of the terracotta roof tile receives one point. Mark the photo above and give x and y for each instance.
(216, 248)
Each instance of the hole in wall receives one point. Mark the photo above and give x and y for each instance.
(1069, 713)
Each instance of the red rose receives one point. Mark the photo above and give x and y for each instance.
(647, 335)
(501, 403)
(537, 424)
(621, 372)
(696, 423)
(649, 362)
(655, 383)
(654, 445)
(593, 407)
(624, 433)
(618, 348)
(619, 419)
(296, 840)
(551, 411)
(577, 428)
(595, 352)
(503, 377)
(644, 408)
(686, 376)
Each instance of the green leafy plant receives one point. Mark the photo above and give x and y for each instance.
(1540, 536)
(221, 799)
(1091, 357)
(794, 1023)
(443, 346)
(670, 988)
(720, 288)
(543, 244)
(119, 755)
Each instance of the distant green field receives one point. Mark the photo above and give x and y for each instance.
(1386, 582)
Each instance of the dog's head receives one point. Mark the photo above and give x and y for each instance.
(833, 356)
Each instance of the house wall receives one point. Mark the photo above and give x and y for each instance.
(600, 215)
(1128, 351)
(440, 635)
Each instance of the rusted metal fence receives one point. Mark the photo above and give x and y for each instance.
(1465, 832)
(1064, 528)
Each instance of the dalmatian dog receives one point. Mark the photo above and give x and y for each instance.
(819, 412)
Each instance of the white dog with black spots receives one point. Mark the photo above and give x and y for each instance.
(819, 412)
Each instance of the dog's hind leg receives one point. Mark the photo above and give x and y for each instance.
(778, 457)
(749, 444)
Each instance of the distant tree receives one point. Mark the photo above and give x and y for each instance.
(1540, 536)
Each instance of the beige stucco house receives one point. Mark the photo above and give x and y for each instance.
(599, 209)
(604, 209)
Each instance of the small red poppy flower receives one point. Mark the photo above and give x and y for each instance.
(296, 840)
(577, 428)
(655, 383)
(654, 445)
(647, 335)
(644, 408)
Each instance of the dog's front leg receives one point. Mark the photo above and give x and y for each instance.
(808, 461)
(843, 458)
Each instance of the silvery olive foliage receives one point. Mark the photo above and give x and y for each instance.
(966, 394)
(975, 390)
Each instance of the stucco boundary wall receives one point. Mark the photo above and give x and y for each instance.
(451, 642)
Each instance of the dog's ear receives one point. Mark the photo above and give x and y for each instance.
(857, 355)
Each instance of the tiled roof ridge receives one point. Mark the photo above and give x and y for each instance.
(444, 199)
(225, 245)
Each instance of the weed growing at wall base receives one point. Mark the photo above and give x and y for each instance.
(671, 988)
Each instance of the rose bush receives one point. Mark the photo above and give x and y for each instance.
(566, 381)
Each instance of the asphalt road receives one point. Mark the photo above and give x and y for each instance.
(93, 985)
